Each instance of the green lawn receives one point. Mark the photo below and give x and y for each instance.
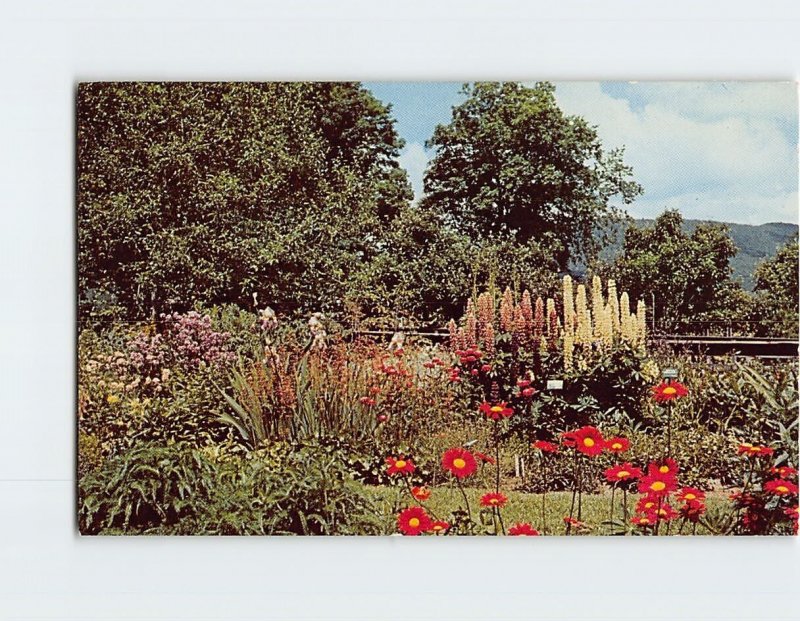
(525, 507)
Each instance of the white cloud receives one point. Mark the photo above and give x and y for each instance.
(414, 158)
(712, 151)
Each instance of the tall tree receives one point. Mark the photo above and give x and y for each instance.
(204, 192)
(686, 277)
(775, 296)
(511, 165)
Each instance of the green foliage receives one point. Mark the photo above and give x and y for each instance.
(210, 192)
(146, 487)
(776, 294)
(687, 276)
(511, 165)
(180, 490)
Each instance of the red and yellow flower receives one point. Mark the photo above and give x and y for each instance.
(784, 472)
(690, 494)
(664, 512)
(643, 520)
(459, 462)
(399, 465)
(421, 493)
(667, 467)
(658, 484)
(523, 529)
(484, 458)
(646, 504)
(750, 450)
(587, 440)
(668, 391)
(780, 487)
(413, 521)
(496, 411)
(439, 527)
(545, 447)
(622, 472)
(494, 499)
(617, 445)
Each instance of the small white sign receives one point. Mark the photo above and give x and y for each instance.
(553, 384)
(670, 373)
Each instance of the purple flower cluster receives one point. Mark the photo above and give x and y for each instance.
(188, 340)
(193, 340)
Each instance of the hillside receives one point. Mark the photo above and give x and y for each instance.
(755, 243)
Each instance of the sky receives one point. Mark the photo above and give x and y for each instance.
(723, 151)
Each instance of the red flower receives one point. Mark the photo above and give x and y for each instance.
(496, 411)
(486, 368)
(494, 499)
(459, 462)
(523, 529)
(429, 365)
(421, 493)
(439, 527)
(784, 472)
(643, 520)
(618, 445)
(665, 467)
(545, 447)
(399, 465)
(622, 472)
(692, 510)
(668, 391)
(646, 504)
(487, 459)
(575, 523)
(665, 513)
(587, 440)
(523, 383)
(657, 484)
(368, 401)
(413, 521)
(745, 448)
(374, 390)
(792, 513)
(528, 392)
(690, 494)
(382, 418)
(780, 487)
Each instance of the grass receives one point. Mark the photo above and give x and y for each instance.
(526, 507)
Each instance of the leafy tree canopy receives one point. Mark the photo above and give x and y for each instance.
(511, 165)
(687, 276)
(211, 192)
(776, 293)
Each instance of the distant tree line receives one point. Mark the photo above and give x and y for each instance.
(213, 192)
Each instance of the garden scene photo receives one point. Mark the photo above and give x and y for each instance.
(437, 309)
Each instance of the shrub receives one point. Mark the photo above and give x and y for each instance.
(183, 490)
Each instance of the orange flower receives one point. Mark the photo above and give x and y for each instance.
(523, 529)
(421, 493)
(413, 521)
(494, 499)
(668, 391)
(399, 465)
(459, 462)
